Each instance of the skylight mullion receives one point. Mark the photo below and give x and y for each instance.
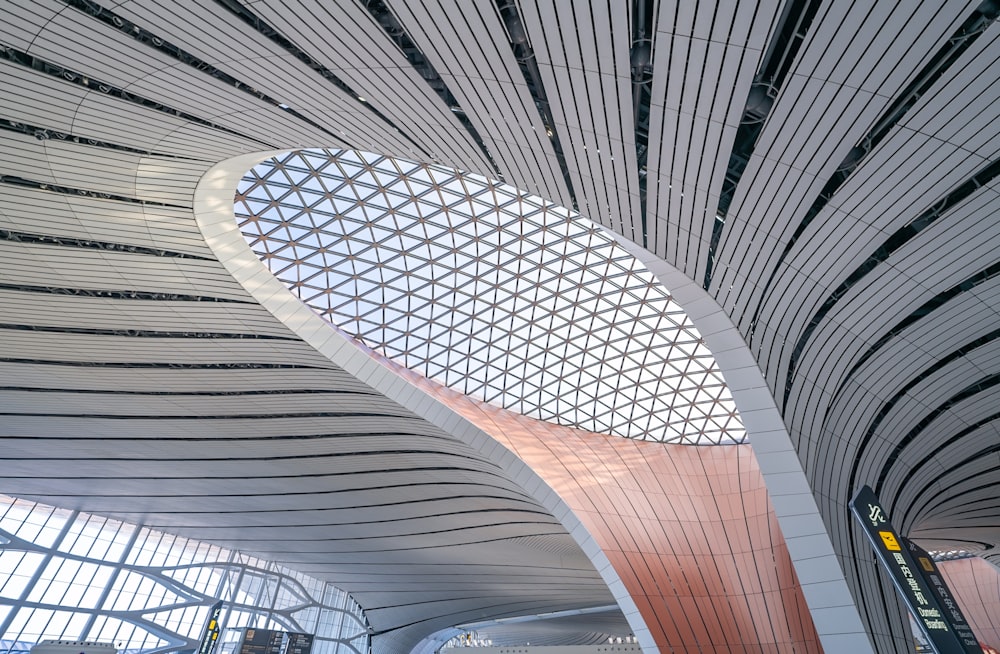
(521, 300)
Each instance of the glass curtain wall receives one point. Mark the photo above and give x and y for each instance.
(74, 576)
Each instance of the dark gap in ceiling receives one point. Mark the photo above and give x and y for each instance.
(788, 38)
(280, 391)
(90, 244)
(204, 457)
(13, 180)
(349, 507)
(165, 366)
(644, 14)
(119, 294)
(395, 31)
(942, 60)
(528, 65)
(382, 549)
(514, 495)
(381, 435)
(406, 502)
(143, 333)
(44, 134)
(898, 239)
(301, 475)
(67, 75)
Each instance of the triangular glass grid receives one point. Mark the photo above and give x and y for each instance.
(488, 290)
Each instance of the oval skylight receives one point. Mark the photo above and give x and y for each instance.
(486, 289)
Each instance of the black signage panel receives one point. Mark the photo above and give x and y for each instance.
(261, 641)
(928, 568)
(298, 643)
(920, 643)
(904, 573)
(210, 635)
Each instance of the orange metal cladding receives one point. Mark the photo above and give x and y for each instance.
(689, 530)
(976, 585)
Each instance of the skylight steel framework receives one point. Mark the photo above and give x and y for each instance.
(69, 575)
(491, 291)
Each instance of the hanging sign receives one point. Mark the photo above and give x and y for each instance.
(935, 580)
(298, 643)
(905, 575)
(210, 635)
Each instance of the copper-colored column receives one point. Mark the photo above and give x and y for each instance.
(689, 530)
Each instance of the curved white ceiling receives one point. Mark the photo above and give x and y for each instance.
(491, 291)
(857, 255)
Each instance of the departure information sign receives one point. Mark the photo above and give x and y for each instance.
(210, 635)
(298, 643)
(906, 576)
(261, 641)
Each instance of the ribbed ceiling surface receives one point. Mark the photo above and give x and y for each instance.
(827, 171)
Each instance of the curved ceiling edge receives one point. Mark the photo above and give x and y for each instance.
(824, 585)
(213, 210)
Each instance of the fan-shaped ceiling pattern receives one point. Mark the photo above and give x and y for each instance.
(491, 291)
(826, 174)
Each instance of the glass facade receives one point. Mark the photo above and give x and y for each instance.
(491, 291)
(69, 575)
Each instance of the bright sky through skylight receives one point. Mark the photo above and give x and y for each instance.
(488, 290)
